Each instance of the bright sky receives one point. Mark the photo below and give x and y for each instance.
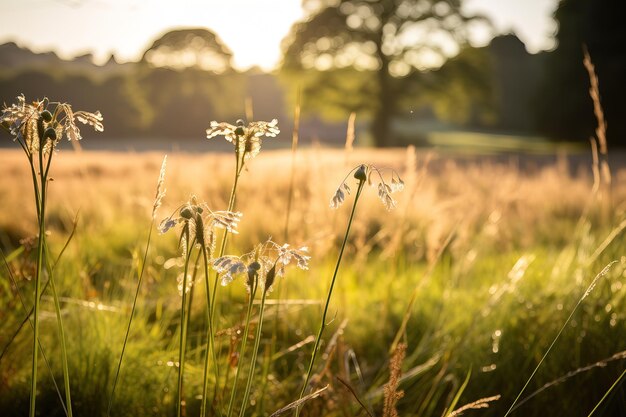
(252, 29)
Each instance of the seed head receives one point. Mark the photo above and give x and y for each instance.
(27, 122)
(239, 131)
(364, 173)
(246, 139)
(266, 263)
(361, 173)
(186, 212)
(46, 116)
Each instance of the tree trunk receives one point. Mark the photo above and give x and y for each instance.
(386, 105)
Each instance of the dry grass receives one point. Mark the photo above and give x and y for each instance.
(506, 205)
(475, 217)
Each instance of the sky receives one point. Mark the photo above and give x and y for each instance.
(252, 29)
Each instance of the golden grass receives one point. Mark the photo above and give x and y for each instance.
(502, 204)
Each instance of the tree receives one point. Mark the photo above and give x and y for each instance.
(185, 86)
(365, 55)
(564, 107)
(190, 48)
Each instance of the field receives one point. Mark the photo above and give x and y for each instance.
(475, 271)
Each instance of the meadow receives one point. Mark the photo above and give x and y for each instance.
(453, 297)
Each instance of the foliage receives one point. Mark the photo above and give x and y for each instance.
(564, 108)
(390, 42)
(190, 48)
(523, 250)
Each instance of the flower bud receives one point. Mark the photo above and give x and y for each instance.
(46, 116)
(186, 212)
(239, 131)
(361, 173)
(270, 277)
(50, 133)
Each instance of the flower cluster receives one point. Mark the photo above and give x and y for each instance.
(365, 173)
(199, 224)
(41, 124)
(246, 139)
(266, 263)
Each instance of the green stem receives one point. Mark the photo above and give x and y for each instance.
(43, 353)
(257, 340)
(183, 333)
(242, 352)
(231, 207)
(606, 394)
(210, 341)
(558, 335)
(66, 372)
(330, 292)
(41, 204)
(130, 320)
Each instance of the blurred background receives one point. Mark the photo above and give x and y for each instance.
(476, 73)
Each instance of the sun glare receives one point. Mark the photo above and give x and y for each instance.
(252, 29)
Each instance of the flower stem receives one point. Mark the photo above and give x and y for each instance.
(183, 334)
(257, 340)
(231, 207)
(242, 352)
(210, 340)
(41, 210)
(330, 292)
(66, 377)
(130, 320)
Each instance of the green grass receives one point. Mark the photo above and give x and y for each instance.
(472, 312)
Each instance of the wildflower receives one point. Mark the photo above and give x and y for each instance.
(365, 173)
(246, 139)
(199, 223)
(267, 262)
(41, 124)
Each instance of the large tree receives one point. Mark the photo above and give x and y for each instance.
(365, 55)
(190, 48)
(189, 73)
(564, 107)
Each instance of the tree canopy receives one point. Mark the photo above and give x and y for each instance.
(565, 109)
(190, 48)
(366, 56)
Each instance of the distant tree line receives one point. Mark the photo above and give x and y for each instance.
(384, 60)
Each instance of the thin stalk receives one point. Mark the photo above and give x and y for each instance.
(330, 292)
(41, 241)
(43, 290)
(239, 163)
(591, 286)
(606, 394)
(255, 351)
(43, 353)
(55, 296)
(231, 206)
(66, 372)
(183, 333)
(242, 352)
(272, 347)
(130, 320)
(210, 341)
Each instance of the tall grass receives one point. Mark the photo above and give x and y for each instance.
(487, 261)
(37, 128)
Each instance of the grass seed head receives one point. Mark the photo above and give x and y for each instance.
(30, 124)
(266, 263)
(366, 173)
(247, 140)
